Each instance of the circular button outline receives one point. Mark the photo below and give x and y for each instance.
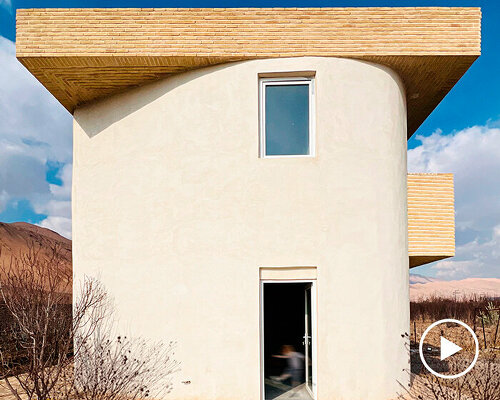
(421, 345)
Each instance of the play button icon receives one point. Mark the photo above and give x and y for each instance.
(448, 348)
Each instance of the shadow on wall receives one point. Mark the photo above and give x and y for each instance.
(114, 108)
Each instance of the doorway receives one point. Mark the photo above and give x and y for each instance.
(288, 340)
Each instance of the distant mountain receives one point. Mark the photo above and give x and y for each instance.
(16, 238)
(416, 278)
(423, 287)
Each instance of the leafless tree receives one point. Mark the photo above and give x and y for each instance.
(115, 367)
(481, 383)
(36, 289)
(56, 349)
(484, 382)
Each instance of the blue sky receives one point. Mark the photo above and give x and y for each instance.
(462, 135)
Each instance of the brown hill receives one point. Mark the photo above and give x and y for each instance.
(18, 237)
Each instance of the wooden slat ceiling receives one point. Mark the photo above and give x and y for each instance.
(81, 55)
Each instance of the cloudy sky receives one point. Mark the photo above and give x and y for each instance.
(461, 136)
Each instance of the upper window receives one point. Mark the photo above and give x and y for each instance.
(286, 117)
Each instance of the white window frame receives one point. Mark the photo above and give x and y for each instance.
(263, 83)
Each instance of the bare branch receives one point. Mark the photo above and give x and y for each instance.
(48, 333)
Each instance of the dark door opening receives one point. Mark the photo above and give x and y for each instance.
(287, 340)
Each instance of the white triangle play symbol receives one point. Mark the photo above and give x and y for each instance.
(448, 348)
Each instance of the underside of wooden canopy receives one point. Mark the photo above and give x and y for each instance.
(81, 55)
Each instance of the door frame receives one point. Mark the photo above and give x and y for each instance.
(314, 333)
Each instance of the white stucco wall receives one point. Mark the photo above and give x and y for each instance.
(174, 210)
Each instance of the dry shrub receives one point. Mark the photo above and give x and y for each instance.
(37, 346)
(111, 367)
(47, 333)
(481, 383)
(435, 308)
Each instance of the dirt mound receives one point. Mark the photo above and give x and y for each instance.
(17, 238)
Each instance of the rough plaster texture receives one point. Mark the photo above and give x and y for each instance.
(174, 210)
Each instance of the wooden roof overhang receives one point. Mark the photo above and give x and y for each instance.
(81, 55)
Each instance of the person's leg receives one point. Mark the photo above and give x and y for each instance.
(287, 373)
(283, 377)
(297, 377)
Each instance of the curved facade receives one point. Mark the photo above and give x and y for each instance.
(179, 216)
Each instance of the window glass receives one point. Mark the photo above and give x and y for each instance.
(286, 119)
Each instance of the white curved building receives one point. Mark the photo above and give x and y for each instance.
(253, 193)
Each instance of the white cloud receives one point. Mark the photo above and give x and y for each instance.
(22, 175)
(58, 206)
(63, 191)
(34, 129)
(32, 121)
(449, 269)
(481, 259)
(4, 198)
(473, 156)
(6, 4)
(60, 225)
